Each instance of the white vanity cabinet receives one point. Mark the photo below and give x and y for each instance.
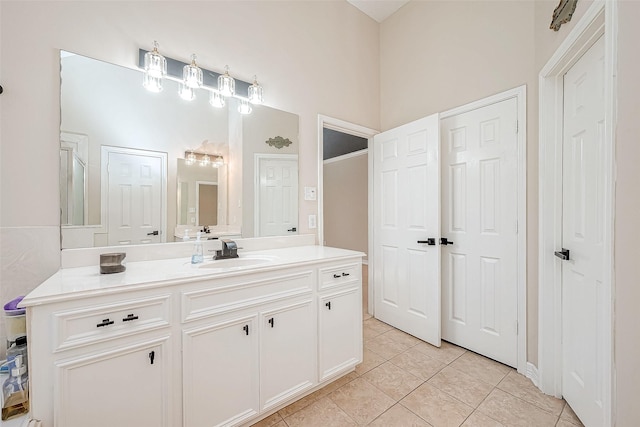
(193, 350)
(339, 319)
(102, 361)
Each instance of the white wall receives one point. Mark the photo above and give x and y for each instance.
(287, 44)
(345, 191)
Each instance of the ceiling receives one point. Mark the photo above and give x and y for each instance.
(379, 9)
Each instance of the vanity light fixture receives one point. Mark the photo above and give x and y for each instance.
(205, 161)
(226, 83)
(256, 92)
(192, 74)
(217, 161)
(155, 64)
(244, 107)
(155, 68)
(216, 99)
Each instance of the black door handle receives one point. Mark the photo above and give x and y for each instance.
(328, 305)
(293, 229)
(245, 328)
(444, 241)
(153, 233)
(563, 254)
(430, 241)
(152, 356)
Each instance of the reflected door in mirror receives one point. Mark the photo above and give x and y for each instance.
(277, 191)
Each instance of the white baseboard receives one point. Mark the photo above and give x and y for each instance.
(532, 373)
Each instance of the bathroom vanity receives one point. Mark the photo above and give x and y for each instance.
(167, 344)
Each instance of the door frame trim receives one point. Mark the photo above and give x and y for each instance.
(599, 20)
(257, 157)
(363, 132)
(520, 94)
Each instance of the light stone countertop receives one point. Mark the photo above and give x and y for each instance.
(79, 282)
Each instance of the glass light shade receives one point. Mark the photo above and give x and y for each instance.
(205, 161)
(186, 93)
(217, 161)
(256, 92)
(226, 83)
(152, 84)
(155, 64)
(191, 159)
(244, 107)
(216, 100)
(192, 74)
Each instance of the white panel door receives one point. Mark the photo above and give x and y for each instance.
(582, 234)
(278, 197)
(479, 219)
(135, 198)
(406, 213)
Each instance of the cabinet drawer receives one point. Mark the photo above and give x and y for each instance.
(339, 275)
(240, 295)
(88, 325)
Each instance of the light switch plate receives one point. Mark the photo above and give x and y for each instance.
(312, 221)
(310, 193)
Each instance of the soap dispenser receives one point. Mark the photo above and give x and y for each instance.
(15, 391)
(198, 252)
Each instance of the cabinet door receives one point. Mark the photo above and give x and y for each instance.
(128, 386)
(340, 329)
(287, 352)
(220, 373)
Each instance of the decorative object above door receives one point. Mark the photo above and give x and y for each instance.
(563, 13)
(278, 142)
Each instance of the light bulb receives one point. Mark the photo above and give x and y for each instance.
(216, 100)
(244, 107)
(256, 92)
(155, 65)
(191, 159)
(152, 84)
(186, 93)
(205, 160)
(226, 83)
(192, 74)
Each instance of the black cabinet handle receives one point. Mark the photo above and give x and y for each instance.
(293, 229)
(336, 276)
(563, 254)
(328, 305)
(271, 322)
(152, 357)
(345, 274)
(153, 233)
(129, 318)
(245, 328)
(105, 322)
(444, 241)
(430, 241)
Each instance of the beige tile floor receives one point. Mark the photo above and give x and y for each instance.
(404, 381)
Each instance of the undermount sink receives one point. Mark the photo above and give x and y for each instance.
(244, 261)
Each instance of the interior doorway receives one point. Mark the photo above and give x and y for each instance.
(350, 164)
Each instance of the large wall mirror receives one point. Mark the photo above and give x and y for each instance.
(128, 175)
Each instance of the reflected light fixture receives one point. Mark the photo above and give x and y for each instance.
(152, 84)
(192, 74)
(186, 93)
(226, 83)
(216, 99)
(190, 159)
(217, 161)
(256, 92)
(205, 161)
(244, 107)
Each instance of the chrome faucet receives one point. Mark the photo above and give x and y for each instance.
(229, 250)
